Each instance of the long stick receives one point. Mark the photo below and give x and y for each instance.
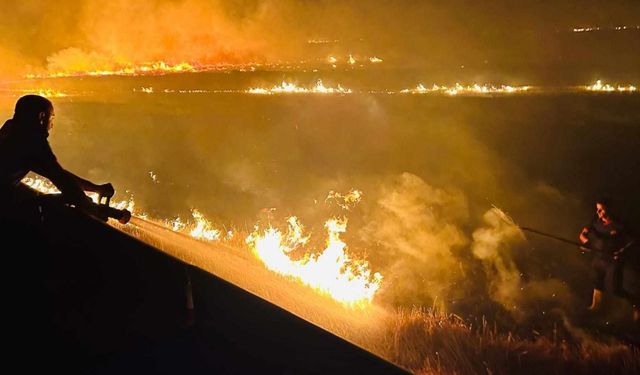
(559, 238)
(581, 245)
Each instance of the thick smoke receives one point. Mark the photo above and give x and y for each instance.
(456, 39)
(427, 230)
(422, 237)
(492, 245)
(418, 230)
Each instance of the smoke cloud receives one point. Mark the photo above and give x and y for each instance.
(417, 229)
(432, 249)
(442, 39)
(430, 167)
(491, 244)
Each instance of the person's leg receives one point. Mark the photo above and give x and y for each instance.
(618, 290)
(598, 275)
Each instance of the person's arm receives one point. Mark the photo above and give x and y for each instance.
(86, 185)
(72, 187)
(66, 182)
(584, 237)
(627, 241)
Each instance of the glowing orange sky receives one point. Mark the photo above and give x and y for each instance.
(80, 35)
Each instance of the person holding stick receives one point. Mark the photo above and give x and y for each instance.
(608, 240)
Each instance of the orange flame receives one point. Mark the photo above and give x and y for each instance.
(152, 68)
(291, 88)
(474, 89)
(598, 86)
(203, 228)
(331, 272)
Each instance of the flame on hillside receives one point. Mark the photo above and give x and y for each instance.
(331, 271)
(203, 228)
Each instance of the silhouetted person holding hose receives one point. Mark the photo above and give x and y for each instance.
(610, 241)
(24, 148)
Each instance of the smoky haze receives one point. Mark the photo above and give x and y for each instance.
(457, 40)
(431, 168)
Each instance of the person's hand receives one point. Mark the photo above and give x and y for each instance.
(584, 236)
(106, 190)
(618, 254)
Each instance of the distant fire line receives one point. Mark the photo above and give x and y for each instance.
(598, 86)
(604, 28)
(164, 68)
(469, 89)
(289, 87)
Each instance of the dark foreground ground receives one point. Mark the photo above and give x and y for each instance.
(82, 297)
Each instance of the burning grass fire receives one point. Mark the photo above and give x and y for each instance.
(46, 92)
(159, 68)
(598, 86)
(292, 88)
(459, 89)
(331, 272)
(438, 110)
(153, 68)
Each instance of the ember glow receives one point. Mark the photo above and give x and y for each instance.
(330, 272)
(292, 88)
(598, 86)
(459, 89)
(346, 201)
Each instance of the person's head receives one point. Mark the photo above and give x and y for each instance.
(603, 209)
(35, 110)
